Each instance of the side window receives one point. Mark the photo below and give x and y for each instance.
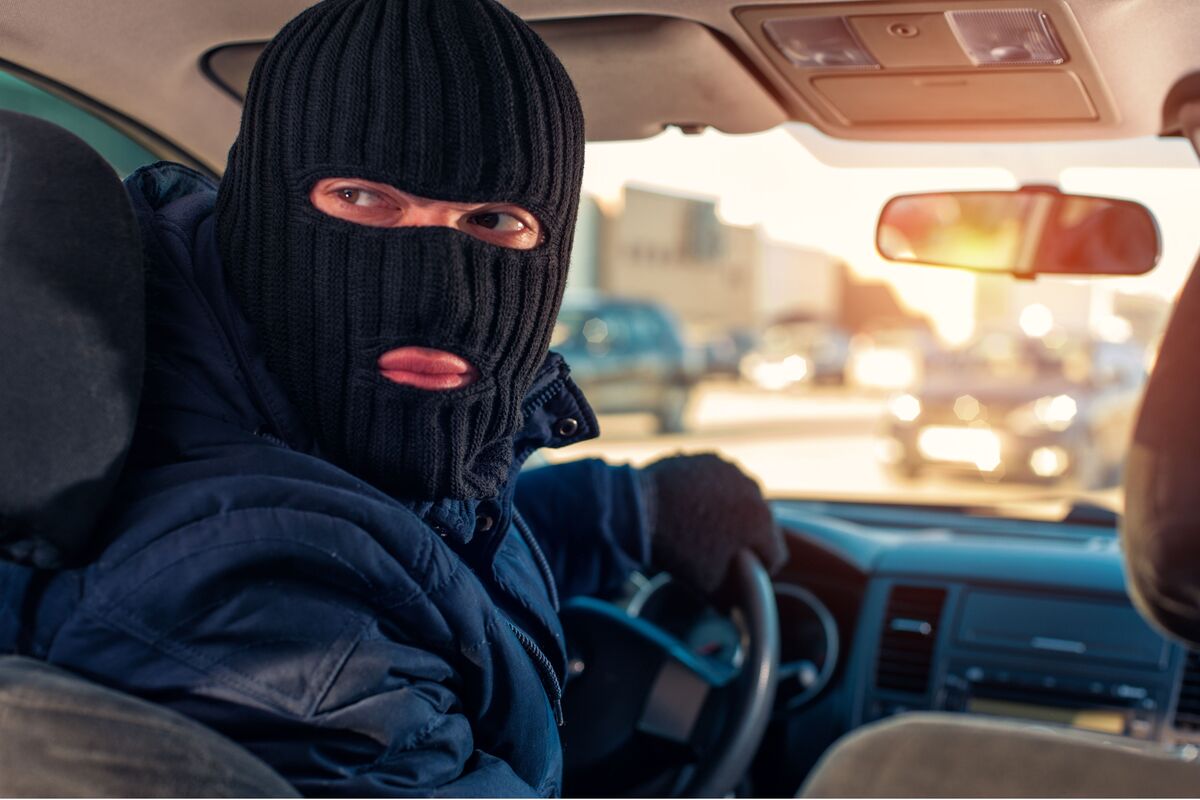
(123, 153)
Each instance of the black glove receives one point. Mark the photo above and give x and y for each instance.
(705, 510)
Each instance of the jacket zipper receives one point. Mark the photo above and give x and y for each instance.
(538, 556)
(264, 433)
(549, 679)
(532, 403)
(544, 395)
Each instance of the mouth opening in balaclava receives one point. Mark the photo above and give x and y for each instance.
(446, 99)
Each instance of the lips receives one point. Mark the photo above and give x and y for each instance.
(426, 368)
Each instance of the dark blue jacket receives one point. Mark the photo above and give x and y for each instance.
(359, 644)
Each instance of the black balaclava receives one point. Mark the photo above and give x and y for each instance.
(447, 99)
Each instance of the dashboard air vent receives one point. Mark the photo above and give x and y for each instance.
(909, 634)
(1187, 712)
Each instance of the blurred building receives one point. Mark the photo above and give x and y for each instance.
(716, 277)
(873, 305)
(676, 250)
(586, 251)
(799, 282)
(1070, 305)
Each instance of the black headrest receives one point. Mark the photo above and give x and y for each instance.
(1161, 527)
(71, 338)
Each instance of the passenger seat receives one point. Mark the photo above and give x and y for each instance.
(959, 755)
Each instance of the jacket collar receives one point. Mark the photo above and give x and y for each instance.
(227, 376)
(556, 415)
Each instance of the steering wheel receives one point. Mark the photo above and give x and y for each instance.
(646, 716)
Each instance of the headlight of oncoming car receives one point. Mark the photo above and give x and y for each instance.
(1049, 413)
(884, 368)
(774, 374)
(905, 407)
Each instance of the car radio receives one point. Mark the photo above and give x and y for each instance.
(1122, 709)
(1087, 663)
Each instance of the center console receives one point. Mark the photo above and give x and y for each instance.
(1087, 663)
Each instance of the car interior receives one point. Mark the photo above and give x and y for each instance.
(907, 648)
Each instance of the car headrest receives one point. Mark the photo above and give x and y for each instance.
(1161, 527)
(71, 339)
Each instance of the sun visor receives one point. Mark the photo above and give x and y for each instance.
(71, 338)
(639, 74)
(635, 75)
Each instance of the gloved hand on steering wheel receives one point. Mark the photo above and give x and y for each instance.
(704, 510)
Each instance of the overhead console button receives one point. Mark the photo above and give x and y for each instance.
(910, 41)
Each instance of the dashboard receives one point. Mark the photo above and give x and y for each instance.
(887, 608)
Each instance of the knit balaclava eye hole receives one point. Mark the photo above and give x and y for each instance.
(449, 100)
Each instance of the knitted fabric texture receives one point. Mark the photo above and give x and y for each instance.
(448, 99)
(706, 510)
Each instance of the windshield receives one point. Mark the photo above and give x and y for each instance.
(828, 372)
(1014, 357)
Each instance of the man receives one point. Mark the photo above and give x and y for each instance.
(322, 546)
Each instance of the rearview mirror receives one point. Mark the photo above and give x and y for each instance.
(1034, 230)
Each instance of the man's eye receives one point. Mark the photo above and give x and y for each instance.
(357, 197)
(499, 221)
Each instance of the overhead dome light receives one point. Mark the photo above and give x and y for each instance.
(818, 43)
(1007, 37)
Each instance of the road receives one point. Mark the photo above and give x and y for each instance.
(818, 442)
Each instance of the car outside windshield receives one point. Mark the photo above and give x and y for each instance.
(828, 372)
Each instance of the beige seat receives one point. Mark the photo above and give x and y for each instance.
(956, 755)
(61, 736)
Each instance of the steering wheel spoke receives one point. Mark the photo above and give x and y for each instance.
(641, 699)
(677, 698)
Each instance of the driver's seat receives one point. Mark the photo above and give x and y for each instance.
(71, 349)
(62, 736)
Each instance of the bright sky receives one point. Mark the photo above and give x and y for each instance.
(773, 179)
